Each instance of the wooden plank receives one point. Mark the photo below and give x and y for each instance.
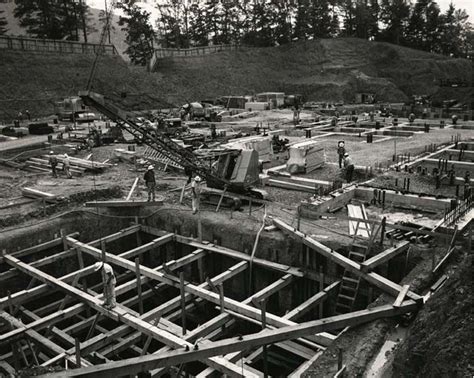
(384, 256)
(122, 315)
(444, 259)
(132, 189)
(265, 337)
(121, 203)
(381, 282)
(273, 288)
(401, 297)
(306, 306)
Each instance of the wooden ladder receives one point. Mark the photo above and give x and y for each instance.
(350, 282)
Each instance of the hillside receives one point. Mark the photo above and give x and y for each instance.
(36, 81)
(332, 69)
(328, 70)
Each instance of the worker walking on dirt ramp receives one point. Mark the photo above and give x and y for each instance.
(196, 193)
(349, 167)
(53, 161)
(109, 281)
(150, 182)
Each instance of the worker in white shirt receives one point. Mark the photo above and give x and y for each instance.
(196, 191)
(109, 281)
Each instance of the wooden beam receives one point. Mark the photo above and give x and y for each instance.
(401, 297)
(273, 288)
(179, 356)
(122, 315)
(122, 203)
(132, 189)
(305, 366)
(381, 282)
(384, 256)
(306, 306)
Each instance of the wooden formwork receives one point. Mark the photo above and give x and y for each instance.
(158, 337)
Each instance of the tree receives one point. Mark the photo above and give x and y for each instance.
(3, 24)
(173, 23)
(394, 15)
(456, 35)
(140, 34)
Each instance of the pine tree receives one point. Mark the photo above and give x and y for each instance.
(140, 34)
(394, 14)
(42, 18)
(198, 31)
(172, 24)
(3, 24)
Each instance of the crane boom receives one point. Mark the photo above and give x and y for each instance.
(161, 143)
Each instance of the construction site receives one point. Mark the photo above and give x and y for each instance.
(326, 234)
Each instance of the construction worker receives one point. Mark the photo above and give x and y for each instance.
(411, 117)
(53, 161)
(196, 192)
(349, 167)
(150, 182)
(67, 166)
(109, 281)
(341, 150)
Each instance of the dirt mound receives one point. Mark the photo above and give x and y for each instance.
(332, 69)
(440, 341)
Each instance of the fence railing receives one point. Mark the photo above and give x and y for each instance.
(193, 51)
(56, 46)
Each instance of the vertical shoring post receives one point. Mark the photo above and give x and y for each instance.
(263, 307)
(139, 285)
(78, 352)
(321, 288)
(183, 302)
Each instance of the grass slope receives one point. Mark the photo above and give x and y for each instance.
(332, 69)
(36, 81)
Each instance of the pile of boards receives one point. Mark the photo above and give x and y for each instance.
(305, 157)
(77, 166)
(37, 194)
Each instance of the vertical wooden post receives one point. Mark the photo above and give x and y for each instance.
(104, 251)
(221, 297)
(63, 236)
(199, 226)
(200, 264)
(183, 302)
(321, 288)
(139, 238)
(263, 307)
(78, 352)
(469, 239)
(35, 358)
(139, 285)
(298, 217)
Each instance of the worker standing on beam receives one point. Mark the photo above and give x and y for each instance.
(109, 281)
(196, 192)
(150, 182)
(349, 167)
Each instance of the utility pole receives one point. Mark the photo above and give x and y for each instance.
(108, 24)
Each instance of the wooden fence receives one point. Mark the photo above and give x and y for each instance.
(163, 53)
(56, 46)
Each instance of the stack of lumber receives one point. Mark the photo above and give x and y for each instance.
(305, 157)
(42, 165)
(286, 181)
(37, 194)
(158, 157)
(83, 163)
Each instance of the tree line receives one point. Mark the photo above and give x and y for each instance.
(419, 24)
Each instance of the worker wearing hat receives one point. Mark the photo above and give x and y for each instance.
(53, 162)
(67, 166)
(150, 182)
(349, 167)
(109, 281)
(196, 192)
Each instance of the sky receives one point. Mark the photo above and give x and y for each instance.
(468, 5)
